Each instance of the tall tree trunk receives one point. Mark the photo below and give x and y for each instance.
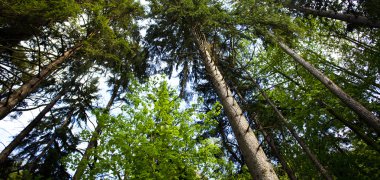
(303, 145)
(21, 93)
(94, 138)
(370, 119)
(349, 18)
(18, 139)
(66, 122)
(270, 141)
(256, 160)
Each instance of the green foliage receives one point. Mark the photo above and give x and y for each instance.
(189, 12)
(170, 36)
(359, 163)
(20, 20)
(155, 138)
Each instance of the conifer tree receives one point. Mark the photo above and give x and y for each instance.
(190, 21)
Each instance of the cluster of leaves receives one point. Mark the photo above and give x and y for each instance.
(154, 137)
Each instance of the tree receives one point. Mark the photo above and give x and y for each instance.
(153, 138)
(94, 138)
(99, 38)
(54, 138)
(17, 140)
(125, 58)
(304, 146)
(55, 143)
(37, 24)
(189, 19)
(367, 116)
(248, 143)
(67, 88)
(51, 127)
(8, 104)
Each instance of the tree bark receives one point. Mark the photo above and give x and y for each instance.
(370, 119)
(270, 141)
(18, 95)
(256, 160)
(18, 139)
(94, 138)
(349, 18)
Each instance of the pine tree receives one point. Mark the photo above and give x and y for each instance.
(18, 95)
(188, 20)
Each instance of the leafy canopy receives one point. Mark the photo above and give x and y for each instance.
(154, 137)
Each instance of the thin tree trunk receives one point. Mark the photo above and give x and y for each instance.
(349, 18)
(354, 129)
(256, 160)
(303, 145)
(43, 152)
(270, 140)
(370, 119)
(94, 138)
(342, 69)
(18, 139)
(18, 95)
(357, 42)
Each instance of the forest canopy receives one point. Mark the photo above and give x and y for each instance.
(190, 89)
